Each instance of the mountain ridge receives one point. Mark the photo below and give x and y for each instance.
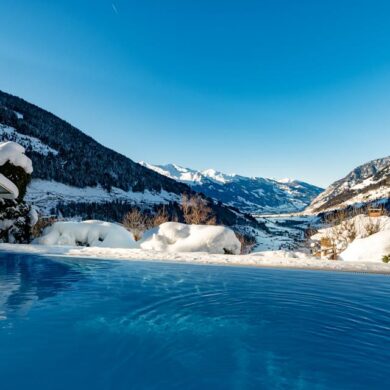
(71, 167)
(366, 183)
(254, 195)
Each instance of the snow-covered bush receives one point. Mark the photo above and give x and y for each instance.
(137, 222)
(16, 217)
(179, 237)
(341, 235)
(87, 233)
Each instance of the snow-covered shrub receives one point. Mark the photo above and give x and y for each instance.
(87, 233)
(341, 235)
(179, 237)
(136, 222)
(386, 259)
(42, 223)
(248, 242)
(16, 217)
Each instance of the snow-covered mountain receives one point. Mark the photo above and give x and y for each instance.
(190, 176)
(75, 175)
(367, 183)
(255, 195)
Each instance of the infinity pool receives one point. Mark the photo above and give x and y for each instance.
(92, 324)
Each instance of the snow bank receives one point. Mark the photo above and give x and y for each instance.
(371, 248)
(179, 237)
(279, 259)
(87, 233)
(14, 153)
(168, 237)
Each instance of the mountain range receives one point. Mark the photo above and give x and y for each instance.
(254, 195)
(365, 184)
(74, 175)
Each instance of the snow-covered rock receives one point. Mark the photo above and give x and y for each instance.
(87, 233)
(179, 237)
(371, 248)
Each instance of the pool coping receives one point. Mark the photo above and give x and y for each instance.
(247, 261)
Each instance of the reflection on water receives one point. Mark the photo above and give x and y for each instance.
(25, 279)
(83, 324)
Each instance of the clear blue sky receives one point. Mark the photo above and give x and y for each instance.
(275, 88)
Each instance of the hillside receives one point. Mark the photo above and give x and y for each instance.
(255, 195)
(365, 184)
(74, 174)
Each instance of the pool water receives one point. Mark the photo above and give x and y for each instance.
(102, 324)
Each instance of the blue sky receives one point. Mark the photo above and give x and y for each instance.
(273, 88)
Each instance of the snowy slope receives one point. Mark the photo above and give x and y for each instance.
(29, 143)
(48, 194)
(366, 183)
(81, 176)
(254, 195)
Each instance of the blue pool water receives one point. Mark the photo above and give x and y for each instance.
(91, 324)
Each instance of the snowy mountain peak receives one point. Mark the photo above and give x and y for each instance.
(249, 194)
(286, 180)
(218, 176)
(176, 172)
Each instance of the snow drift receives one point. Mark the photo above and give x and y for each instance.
(87, 233)
(168, 237)
(179, 237)
(371, 248)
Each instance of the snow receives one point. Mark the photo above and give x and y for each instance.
(168, 237)
(353, 240)
(9, 133)
(217, 176)
(18, 115)
(249, 194)
(355, 187)
(176, 172)
(179, 237)
(285, 180)
(14, 153)
(371, 248)
(361, 223)
(190, 176)
(11, 190)
(274, 259)
(87, 233)
(47, 194)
